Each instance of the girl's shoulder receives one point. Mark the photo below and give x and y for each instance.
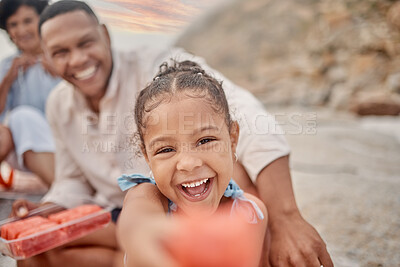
(146, 192)
(142, 188)
(250, 207)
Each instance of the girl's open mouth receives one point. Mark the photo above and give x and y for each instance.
(197, 190)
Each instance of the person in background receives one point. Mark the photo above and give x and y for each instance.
(92, 123)
(25, 83)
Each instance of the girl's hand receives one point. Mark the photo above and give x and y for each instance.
(147, 246)
(22, 62)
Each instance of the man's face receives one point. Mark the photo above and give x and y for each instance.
(79, 49)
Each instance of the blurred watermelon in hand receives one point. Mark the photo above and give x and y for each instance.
(213, 241)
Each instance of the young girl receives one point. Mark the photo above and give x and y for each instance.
(188, 139)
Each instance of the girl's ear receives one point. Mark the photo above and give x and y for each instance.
(234, 135)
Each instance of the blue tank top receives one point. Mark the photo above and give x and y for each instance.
(31, 87)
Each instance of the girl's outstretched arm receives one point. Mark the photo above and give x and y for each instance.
(261, 230)
(142, 225)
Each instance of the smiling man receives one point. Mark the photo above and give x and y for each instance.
(92, 122)
(81, 54)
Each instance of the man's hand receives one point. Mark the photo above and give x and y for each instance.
(22, 208)
(294, 242)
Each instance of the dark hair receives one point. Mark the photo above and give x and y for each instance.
(9, 7)
(62, 7)
(186, 76)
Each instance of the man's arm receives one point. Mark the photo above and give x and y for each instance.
(294, 242)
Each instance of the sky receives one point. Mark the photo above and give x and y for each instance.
(161, 16)
(135, 23)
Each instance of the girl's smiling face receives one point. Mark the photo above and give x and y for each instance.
(190, 150)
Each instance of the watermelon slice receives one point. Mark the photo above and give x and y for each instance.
(36, 240)
(80, 228)
(72, 214)
(213, 242)
(34, 235)
(12, 230)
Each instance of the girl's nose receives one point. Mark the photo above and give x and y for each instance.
(188, 162)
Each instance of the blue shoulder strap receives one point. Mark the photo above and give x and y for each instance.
(233, 191)
(237, 194)
(126, 182)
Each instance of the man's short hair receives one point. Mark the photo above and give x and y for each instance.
(10, 7)
(62, 7)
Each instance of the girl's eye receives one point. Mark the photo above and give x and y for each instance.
(164, 150)
(206, 140)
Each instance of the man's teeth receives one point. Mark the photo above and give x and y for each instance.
(194, 184)
(85, 73)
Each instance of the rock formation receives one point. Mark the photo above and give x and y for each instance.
(343, 54)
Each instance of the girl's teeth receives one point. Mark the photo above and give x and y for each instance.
(194, 184)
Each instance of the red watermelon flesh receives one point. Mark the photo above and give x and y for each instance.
(27, 246)
(75, 213)
(213, 242)
(12, 230)
(38, 228)
(31, 235)
(79, 228)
